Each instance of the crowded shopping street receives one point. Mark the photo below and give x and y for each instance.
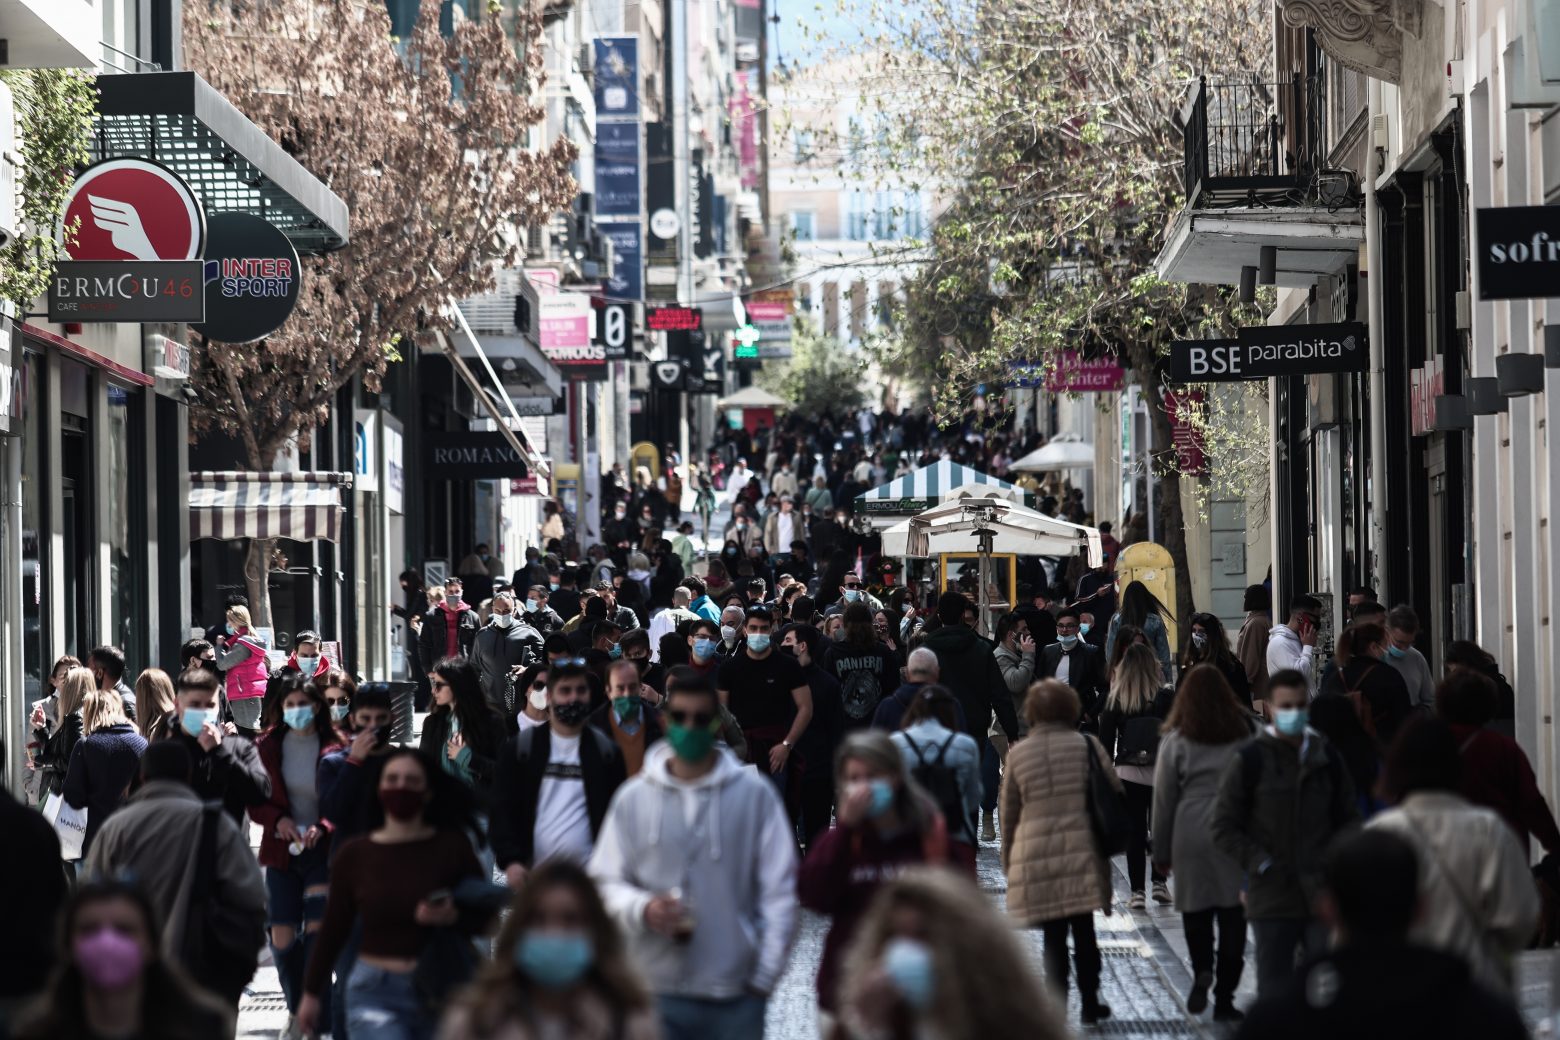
(806, 519)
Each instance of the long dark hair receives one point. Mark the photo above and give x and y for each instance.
(1354, 642)
(1217, 652)
(451, 805)
(502, 994)
(1206, 710)
(858, 627)
(324, 725)
(478, 724)
(173, 1007)
(1137, 603)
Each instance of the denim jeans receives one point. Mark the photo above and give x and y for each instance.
(693, 1018)
(286, 904)
(384, 1005)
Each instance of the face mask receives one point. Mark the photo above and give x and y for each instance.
(402, 803)
(690, 745)
(1199, 639)
(626, 707)
(339, 711)
(619, 513)
(298, 718)
(538, 699)
(194, 719)
(1395, 653)
(530, 605)
(728, 633)
(573, 713)
(229, 628)
(1068, 642)
(485, 557)
(306, 665)
(1083, 629)
(1291, 722)
(758, 643)
(882, 798)
(107, 959)
(852, 595)
(704, 649)
(553, 586)
(908, 965)
(503, 620)
(554, 960)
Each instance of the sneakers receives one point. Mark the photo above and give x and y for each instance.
(1137, 902)
(1224, 1011)
(1093, 1011)
(988, 825)
(1197, 999)
(1162, 892)
(291, 1030)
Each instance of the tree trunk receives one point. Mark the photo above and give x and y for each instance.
(257, 576)
(1167, 499)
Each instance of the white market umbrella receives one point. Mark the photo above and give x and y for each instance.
(753, 397)
(1065, 451)
(951, 527)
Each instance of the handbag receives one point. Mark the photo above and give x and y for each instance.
(69, 823)
(1139, 742)
(1108, 816)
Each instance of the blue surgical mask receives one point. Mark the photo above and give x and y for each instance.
(339, 711)
(1291, 722)
(704, 649)
(615, 651)
(1083, 629)
(229, 628)
(882, 798)
(908, 965)
(553, 586)
(530, 606)
(758, 642)
(301, 717)
(1394, 652)
(1068, 642)
(194, 719)
(306, 665)
(554, 960)
(852, 595)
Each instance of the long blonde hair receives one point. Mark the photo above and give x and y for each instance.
(101, 709)
(1137, 680)
(985, 985)
(73, 691)
(154, 700)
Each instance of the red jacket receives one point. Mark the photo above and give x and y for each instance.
(1496, 774)
(273, 850)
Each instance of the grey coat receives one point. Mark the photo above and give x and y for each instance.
(1186, 788)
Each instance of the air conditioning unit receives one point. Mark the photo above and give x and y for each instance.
(8, 168)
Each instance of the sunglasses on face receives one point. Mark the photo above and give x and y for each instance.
(691, 719)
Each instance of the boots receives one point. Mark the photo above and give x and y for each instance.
(988, 825)
(1093, 1011)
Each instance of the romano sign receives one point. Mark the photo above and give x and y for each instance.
(476, 455)
(1519, 252)
(1271, 350)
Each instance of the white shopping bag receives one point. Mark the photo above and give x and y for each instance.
(69, 823)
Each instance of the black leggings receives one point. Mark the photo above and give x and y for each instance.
(1140, 805)
(1086, 951)
(1232, 947)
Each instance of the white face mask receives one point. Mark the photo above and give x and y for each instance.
(538, 699)
(503, 620)
(306, 665)
(728, 633)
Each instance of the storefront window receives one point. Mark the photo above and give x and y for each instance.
(33, 665)
(125, 486)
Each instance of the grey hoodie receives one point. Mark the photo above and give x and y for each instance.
(723, 839)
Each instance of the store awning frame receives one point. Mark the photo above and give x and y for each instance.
(183, 122)
(231, 504)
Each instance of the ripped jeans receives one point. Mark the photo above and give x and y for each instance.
(384, 1005)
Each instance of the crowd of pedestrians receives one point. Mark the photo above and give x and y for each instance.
(630, 780)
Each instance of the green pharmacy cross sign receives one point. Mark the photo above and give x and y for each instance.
(745, 344)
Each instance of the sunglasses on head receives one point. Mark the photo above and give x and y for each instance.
(691, 719)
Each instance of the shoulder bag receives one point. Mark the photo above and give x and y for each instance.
(1108, 816)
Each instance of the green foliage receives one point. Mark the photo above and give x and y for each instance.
(821, 376)
(54, 110)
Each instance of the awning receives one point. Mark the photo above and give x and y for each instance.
(1066, 451)
(925, 487)
(950, 528)
(302, 506)
(753, 397)
(183, 122)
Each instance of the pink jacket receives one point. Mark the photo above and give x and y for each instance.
(246, 680)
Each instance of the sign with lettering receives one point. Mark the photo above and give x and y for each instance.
(472, 455)
(126, 291)
(1074, 373)
(252, 278)
(1519, 252)
(1271, 350)
(673, 319)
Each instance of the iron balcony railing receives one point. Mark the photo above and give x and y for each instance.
(1246, 138)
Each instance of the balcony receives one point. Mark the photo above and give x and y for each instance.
(1254, 177)
(49, 34)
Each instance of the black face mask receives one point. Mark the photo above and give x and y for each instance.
(572, 713)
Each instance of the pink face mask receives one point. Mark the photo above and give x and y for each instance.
(107, 959)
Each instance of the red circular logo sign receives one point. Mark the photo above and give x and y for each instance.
(132, 209)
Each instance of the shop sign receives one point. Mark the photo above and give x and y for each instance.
(167, 358)
(1425, 384)
(474, 455)
(131, 209)
(252, 278)
(365, 461)
(1262, 351)
(617, 170)
(526, 486)
(1074, 373)
(673, 319)
(668, 375)
(615, 330)
(126, 291)
(616, 75)
(560, 325)
(1519, 252)
(395, 470)
(628, 260)
(1190, 457)
(531, 406)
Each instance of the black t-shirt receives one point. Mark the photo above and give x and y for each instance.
(761, 689)
(866, 675)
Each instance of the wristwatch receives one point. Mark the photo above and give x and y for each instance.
(787, 745)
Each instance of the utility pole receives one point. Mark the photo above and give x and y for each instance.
(682, 170)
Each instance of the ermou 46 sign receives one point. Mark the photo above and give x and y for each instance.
(1271, 350)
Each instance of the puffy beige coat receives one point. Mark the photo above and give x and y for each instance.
(1048, 852)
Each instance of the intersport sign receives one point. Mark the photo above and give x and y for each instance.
(1271, 350)
(1519, 252)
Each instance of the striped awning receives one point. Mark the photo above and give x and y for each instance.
(300, 506)
(923, 488)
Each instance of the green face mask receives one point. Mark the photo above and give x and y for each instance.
(688, 744)
(626, 707)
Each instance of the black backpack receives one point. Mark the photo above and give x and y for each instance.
(938, 780)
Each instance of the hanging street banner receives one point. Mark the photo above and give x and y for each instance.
(616, 75)
(251, 277)
(628, 261)
(1271, 350)
(617, 170)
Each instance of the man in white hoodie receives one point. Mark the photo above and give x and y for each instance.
(1293, 644)
(697, 861)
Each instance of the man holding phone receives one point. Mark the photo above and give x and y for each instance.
(1293, 644)
(226, 767)
(349, 780)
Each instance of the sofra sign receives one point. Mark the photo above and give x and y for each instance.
(1519, 253)
(1270, 350)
